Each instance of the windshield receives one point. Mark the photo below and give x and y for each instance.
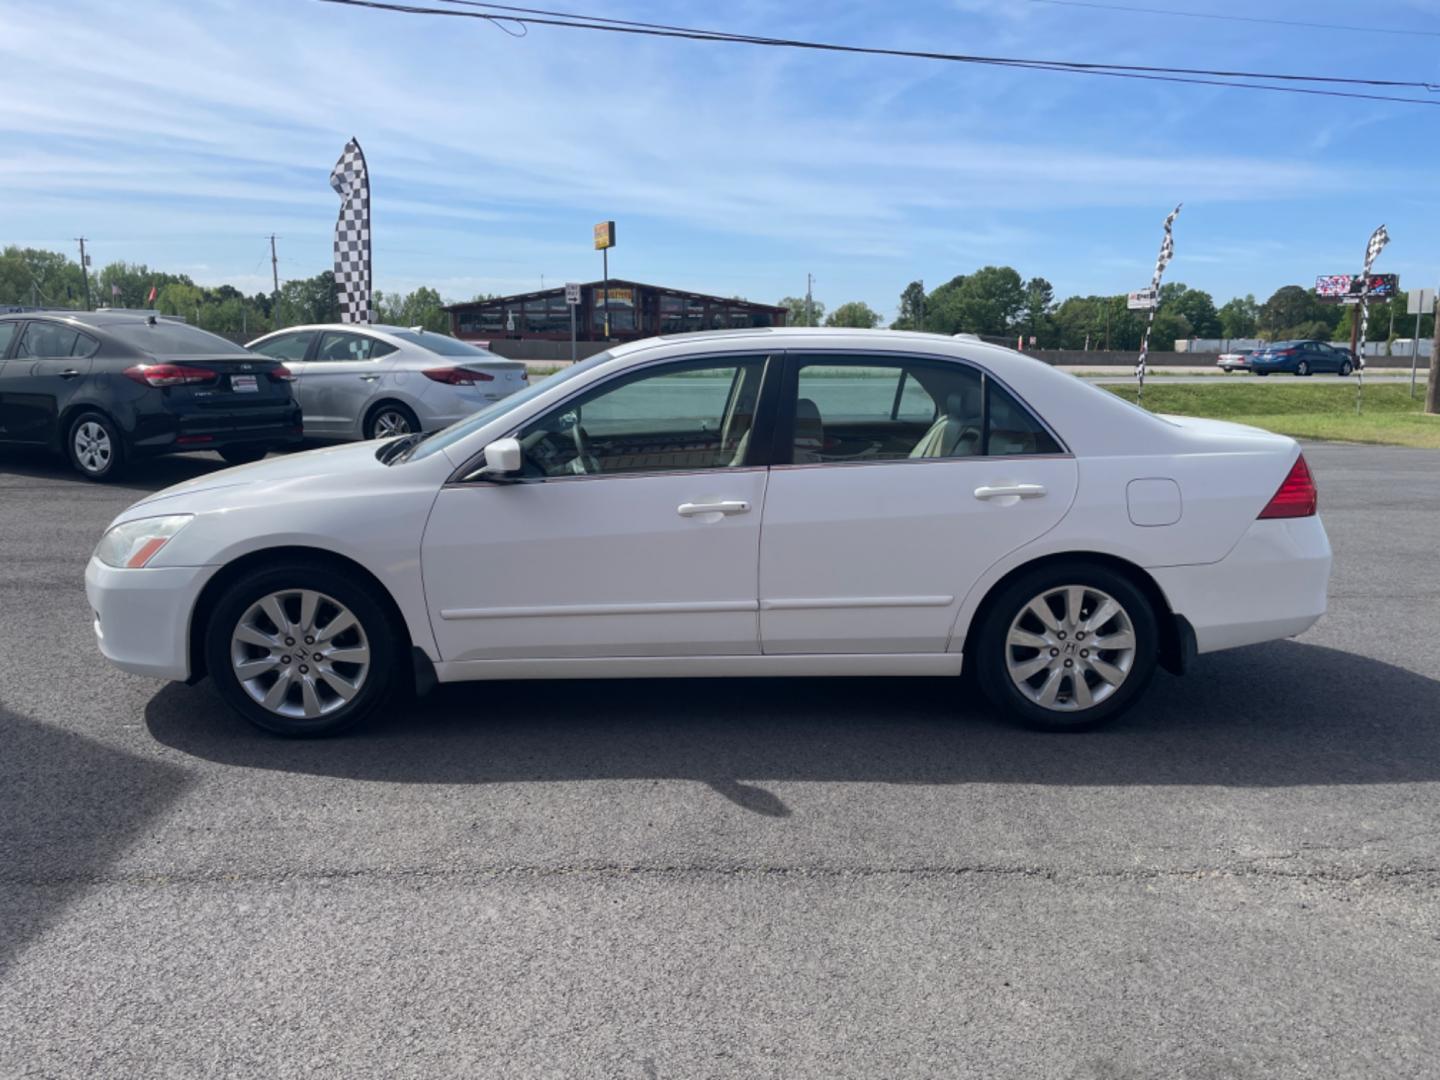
(461, 428)
(441, 344)
(164, 338)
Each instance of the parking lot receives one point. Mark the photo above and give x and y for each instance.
(730, 878)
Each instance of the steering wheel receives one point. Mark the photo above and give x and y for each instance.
(585, 462)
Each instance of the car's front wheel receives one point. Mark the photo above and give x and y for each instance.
(95, 447)
(243, 454)
(1067, 646)
(301, 650)
(1302, 368)
(1346, 367)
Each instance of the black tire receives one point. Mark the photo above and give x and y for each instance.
(244, 454)
(402, 415)
(1302, 369)
(375, 631)
(94, 447)
(1261, 374)
(1346, 368)
(991, 649)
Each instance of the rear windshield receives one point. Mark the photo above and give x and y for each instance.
(172, 339)
(442, 344)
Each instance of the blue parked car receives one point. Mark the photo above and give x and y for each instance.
(1302, 358)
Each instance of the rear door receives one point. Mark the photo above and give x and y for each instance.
(342, 377)
(49, 362)
(907, 478)
(9, 331)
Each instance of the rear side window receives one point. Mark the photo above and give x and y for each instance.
(7, 334)
(42, 339)
(336, 346)
(164, 338)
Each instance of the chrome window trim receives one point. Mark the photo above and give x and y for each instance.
(984, 372)
(927, 461)
(457, 479)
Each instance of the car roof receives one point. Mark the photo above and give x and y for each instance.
(380, 328)
(98, 319)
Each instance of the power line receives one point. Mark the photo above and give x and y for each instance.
(1195, 76)
(1302, 24)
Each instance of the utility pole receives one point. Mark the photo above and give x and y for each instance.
(85, 270)
(275, 278)
(1432, 389)
(921, 323)
(809, 301)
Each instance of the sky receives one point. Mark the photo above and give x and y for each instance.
(183, 134)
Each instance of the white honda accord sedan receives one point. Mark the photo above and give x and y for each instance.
(745, 503)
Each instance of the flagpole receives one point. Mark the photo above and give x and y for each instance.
(1167, 252)
(1378, 239)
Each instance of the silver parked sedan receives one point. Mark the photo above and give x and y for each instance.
(375, 381)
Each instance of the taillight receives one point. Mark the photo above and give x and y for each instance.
(281, 373)
(458, 376)
(1297, 495)
(1286, 352)
(169, 374)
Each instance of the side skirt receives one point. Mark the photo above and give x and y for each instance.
(702, 667)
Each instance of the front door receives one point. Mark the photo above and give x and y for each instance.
(635, 532)
(909, 478)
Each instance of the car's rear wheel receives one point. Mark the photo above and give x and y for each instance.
(1302, 368)
(243, 455)
(389, 420)
(94, 446)
(1067, 646)
(301, 650)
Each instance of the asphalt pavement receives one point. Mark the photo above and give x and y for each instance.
(731, 878)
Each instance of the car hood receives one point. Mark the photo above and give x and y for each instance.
(311, 473)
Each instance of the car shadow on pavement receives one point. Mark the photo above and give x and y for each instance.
(1274, 715)
(69, 806)
(141, 476)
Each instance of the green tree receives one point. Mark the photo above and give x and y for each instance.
(309, 300)
(855, 314)
(989, 301)
(134, 280)
(1288, 307)
(912, 308)
(796, 317)
(1238, 317)
(423, 308)
(1039, 302)
(41, 278)
(1195, 306)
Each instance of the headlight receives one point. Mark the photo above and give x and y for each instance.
(133, 544)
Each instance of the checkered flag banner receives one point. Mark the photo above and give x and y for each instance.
(1378, 239)
(352, 235)
(1167, 252)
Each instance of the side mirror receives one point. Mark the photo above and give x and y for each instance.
(503, 458)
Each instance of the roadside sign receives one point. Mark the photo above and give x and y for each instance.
(572, 293)
(1143, 300)
(604, 235)
(1420, 302)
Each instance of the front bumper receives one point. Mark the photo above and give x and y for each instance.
(142, 617)
(1271, 585)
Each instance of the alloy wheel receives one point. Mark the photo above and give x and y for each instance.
(92, 447)
(300, 654)
(390, 423)
(1070, 648)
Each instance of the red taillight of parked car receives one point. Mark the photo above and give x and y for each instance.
(169, 374)
(1297, 496)
(281, 373)
(458, 376)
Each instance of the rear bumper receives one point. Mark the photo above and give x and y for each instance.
(165, 431)
(142, 617)
(1271, 585)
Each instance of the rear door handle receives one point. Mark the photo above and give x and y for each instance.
(725, 506)
(69, 373)
(1000, 491)
(368, 378)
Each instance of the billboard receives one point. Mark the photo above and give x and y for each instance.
(1140, 301)
(1337, 288)
(604, 235)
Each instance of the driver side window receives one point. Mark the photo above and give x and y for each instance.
(678, 417)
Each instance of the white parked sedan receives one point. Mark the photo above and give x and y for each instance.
(375, 381)
(755, 502)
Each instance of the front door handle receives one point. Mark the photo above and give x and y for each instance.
(725, 506)
(368, 378)
(69, 373)
(1000, 491)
